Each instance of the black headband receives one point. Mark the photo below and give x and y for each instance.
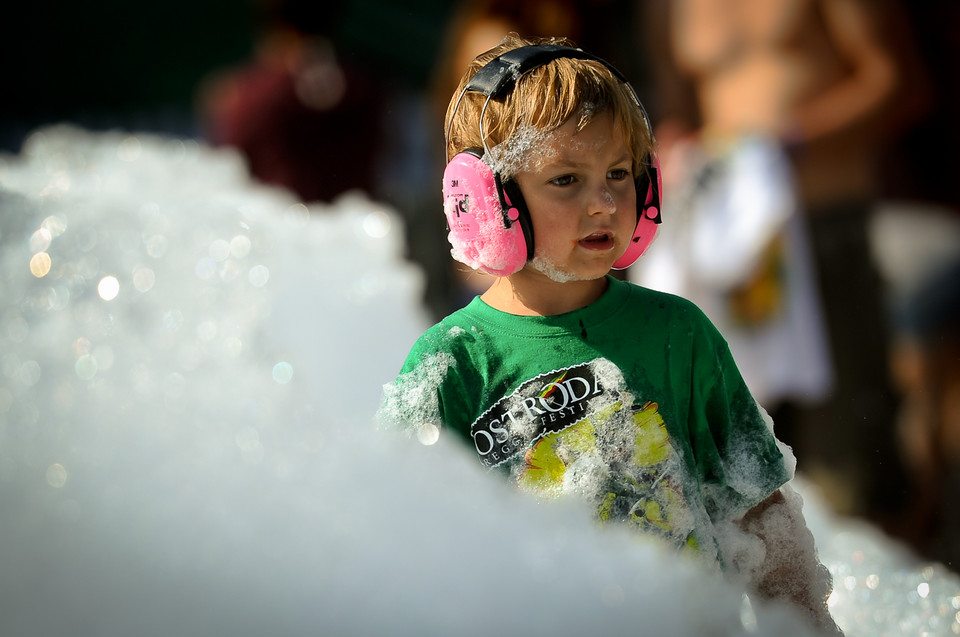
(499, 75)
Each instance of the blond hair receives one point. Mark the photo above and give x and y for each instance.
(544, 99)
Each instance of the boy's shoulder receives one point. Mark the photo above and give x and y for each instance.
(667, 315)
(666, 304)
(651, 295)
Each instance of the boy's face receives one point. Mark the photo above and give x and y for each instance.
(579, 187)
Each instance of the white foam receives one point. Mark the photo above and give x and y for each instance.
(551, 270)
(198, 454)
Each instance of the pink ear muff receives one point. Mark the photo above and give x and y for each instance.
(647, 221)
(481, 235)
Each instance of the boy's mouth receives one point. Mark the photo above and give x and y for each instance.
(597, 241)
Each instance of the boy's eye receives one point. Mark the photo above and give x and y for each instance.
(563, 180)
(618, 174)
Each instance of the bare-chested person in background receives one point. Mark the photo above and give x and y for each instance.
(813, 73)
(814, 76)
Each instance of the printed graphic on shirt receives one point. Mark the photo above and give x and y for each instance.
(578, 430)
(550, 402)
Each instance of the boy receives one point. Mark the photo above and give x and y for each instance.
(567, 379)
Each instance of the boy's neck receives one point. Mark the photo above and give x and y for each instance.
(532, 294)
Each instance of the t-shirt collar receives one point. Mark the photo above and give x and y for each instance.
(556, 325)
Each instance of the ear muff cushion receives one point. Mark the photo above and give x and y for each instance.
(512, 198)
(482, 234)
(649, 203)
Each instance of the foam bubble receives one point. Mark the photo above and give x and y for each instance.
(411, 403)
(526, 150)
(551, 270)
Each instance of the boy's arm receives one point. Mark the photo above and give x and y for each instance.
(791, 570)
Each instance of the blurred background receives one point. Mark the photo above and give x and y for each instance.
(808, 149)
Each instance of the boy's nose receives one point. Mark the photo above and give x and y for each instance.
(603, 202)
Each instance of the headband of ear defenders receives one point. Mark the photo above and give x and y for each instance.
(500, 74)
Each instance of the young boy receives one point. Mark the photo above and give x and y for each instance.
(571, 381)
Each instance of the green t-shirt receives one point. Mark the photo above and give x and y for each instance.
(633, 402)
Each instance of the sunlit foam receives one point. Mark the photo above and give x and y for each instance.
(229, 270)
(206, 268)
(612, 595)
(40, 240)
(142, 454)
(365, 288)
(428, 433)
(58, 298)
(239, 246)
(282, 372)
(16, 328)
(129, 149)
(108, 288)
(207, 330)
(81, 346)
(142, 379)
(155, 245)
(833, 599)
(86, 239)
(233, 346)
(59, 183)
(86, 367)
(55, 225)
(748, 617)
(40, 264)
(248, 441)
(190, 356)
(173, 320)
(174, 385)
(6, 400)
(104, 357)
(376, 224)
(247, 438)
(259, 275)
(143, 278)
(297, 214)
(219, 250)
(56, 475)
(29, 373)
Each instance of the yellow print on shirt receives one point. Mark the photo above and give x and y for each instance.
(621, 458)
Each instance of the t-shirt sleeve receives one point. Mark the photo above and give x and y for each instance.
(414, 398)
(740, 461)
(437, 386)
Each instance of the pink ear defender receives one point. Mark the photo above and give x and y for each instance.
(648, 215)
(485, 230)
(488, 221)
